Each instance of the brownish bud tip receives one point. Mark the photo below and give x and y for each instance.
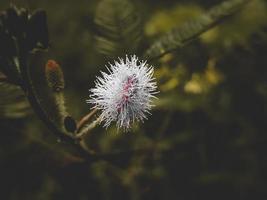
(54, 76)
(52, 64)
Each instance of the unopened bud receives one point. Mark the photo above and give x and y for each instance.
(54, 76)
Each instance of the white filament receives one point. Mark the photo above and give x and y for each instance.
(124, 94)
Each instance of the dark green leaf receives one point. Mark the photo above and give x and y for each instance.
(118, 27)
(13, 103)
(180, 36)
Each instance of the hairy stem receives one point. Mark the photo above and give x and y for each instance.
(84, 132)
(39, 110)
(85, 120)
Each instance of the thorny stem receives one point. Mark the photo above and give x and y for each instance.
(85, 120)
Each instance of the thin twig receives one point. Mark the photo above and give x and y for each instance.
(87, 130)
(85, 120)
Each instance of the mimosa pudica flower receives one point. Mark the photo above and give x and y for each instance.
(125, 93)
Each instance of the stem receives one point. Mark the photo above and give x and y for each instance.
(87, 130)
(85, 120)
(35, 103)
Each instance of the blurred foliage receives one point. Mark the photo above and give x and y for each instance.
(12, 95)
(118, 27)
(206, 137)
(181, 35)
(227, 34)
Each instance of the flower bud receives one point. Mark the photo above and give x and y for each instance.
(54, 76)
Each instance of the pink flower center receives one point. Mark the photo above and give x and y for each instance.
(127, 91)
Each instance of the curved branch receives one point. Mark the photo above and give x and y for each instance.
(35, 103)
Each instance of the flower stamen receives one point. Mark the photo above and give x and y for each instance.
(124, 95)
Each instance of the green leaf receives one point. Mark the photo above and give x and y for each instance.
(119, 28)
(13, 103)
(180, 36)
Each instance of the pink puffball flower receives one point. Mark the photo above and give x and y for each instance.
(125, 93)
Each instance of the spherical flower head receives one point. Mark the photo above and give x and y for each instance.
(125, 93)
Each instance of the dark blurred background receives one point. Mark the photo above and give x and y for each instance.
(207, 130)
